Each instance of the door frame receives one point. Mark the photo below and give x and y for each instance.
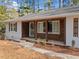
(31, 30)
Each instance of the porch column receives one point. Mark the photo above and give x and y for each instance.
(65, 31)
(46, 27)
(35, 30)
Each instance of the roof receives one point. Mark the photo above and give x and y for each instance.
(63, 12)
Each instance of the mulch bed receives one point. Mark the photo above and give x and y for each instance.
(59, 49)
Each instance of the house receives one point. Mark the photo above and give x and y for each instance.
(61, 25)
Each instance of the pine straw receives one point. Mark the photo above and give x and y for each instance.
(9, 50)
(60, 49)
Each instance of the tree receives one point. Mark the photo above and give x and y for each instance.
(3, 16)
(6, 14)
(12, 13)
(75, 2)
(24, 10)
(47, 4)
(33, 5)
(26, 6)
(38, 6)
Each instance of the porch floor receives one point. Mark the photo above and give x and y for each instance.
(56, 42)
(29, 39)
(53, 42)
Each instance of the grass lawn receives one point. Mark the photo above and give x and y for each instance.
(9, 50)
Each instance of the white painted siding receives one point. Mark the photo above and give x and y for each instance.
(12, 34)
(69, 31)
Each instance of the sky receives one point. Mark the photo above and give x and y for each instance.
(41, 2)
(14, 4)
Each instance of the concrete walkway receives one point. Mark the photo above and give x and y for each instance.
(46, 52)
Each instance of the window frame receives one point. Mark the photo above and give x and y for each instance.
(54, 26)
(38, 27)
(13, 27)
(75, 27)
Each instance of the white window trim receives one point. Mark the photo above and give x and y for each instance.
(78, 29)
(53, 33)
(38, 28)
(12, 27)
(52, 27)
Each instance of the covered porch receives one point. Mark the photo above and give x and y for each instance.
(51, 30)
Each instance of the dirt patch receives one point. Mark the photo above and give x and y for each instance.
(59, 49)
(9, 50)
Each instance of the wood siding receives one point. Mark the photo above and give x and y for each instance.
(41, 35)
(57, 37)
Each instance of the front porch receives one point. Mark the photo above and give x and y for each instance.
(52, 42)
(42, 30)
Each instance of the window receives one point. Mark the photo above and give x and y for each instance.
(41, 27)
(75, 28)
(9, 27)
(54, 27)
(13, 27)
(49, 26)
